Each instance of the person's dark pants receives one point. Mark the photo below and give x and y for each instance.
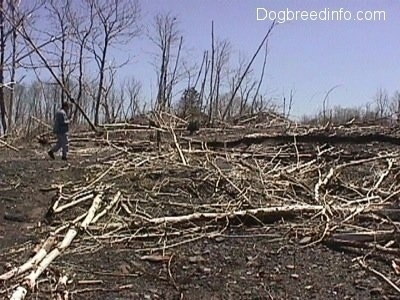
(62, 143)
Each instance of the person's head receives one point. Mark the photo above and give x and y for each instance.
(65, 106)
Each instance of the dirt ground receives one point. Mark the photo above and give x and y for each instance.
(257, 262)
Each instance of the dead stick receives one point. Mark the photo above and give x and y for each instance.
(177, 146)
(41, 122)
(379, 274)
(8, 146)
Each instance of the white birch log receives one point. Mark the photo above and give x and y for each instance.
(19, 293)
(34, 275)
(266, 211)
(67, 240)
(37, 258)
(72, 203)
(92, 211)
(30, 280)
(108, 207)
(68, 225)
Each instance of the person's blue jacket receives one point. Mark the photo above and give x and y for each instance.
(61, 122)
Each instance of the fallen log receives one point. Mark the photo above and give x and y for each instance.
(315, 138)
(44, 250)
(44, 258)
(8, 145)
(374, 236)
(338, 244)
(259, 213)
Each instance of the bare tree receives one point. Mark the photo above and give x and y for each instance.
(81, 29)
(49, 68)
(166, 38)
(174, 75)
(287, 104)
(247, 69)
(2, 62)
(382, 104)
(325, 103)
(260, 81)
(13, 37)
(116, 21)
(132, 88)
(247, 88)
(206, 64)
(109, 89)
(18, 95)
(212, 65)
(25, 30)
(223, 50)
(395, 107)
(60, 14)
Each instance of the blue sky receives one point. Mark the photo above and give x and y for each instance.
(309, 57)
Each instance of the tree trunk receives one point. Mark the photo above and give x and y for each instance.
(2, 48)
(13, 68)
(210, 108)
(101, 80)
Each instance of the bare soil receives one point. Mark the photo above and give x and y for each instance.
(247, 262)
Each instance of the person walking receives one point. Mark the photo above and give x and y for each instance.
(60, 129)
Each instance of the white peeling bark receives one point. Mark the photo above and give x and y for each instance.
(46, 259)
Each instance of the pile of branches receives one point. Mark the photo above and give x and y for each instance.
(153, 199)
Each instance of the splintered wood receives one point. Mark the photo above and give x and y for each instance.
(324, 186)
